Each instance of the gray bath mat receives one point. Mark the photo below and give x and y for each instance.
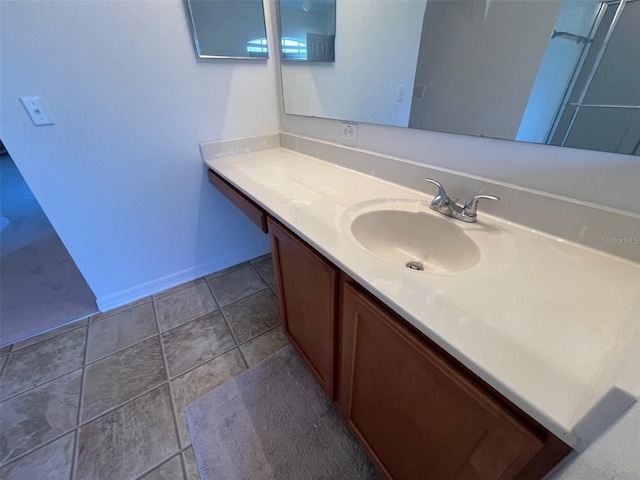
(273, 422)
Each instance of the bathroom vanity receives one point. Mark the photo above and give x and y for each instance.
(478, 366)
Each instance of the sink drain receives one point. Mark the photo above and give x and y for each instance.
(415, 266)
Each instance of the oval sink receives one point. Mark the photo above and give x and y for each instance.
(416, 239)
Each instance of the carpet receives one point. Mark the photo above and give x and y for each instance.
(273, 421)
(41, 287)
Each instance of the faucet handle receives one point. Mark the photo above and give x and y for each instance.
(441, 197)
(470, 208)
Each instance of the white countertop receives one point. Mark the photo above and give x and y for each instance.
(553, 326)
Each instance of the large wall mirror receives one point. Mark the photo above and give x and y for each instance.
(560, 72)
(229, 28)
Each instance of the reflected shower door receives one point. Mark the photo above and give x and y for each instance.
(602, 109)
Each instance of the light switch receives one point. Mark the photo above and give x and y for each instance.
(36, 110)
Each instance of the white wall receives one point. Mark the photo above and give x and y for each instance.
(371, 35)
(120, 174)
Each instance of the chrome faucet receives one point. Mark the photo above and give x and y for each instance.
(441, 203)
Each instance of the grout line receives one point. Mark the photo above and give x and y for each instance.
(159, 464)
(183, 462)
(10, 345)
(263, 278)
(233, 335)
(4, 364)
(74, 454)
(166, 372)
(76, 445)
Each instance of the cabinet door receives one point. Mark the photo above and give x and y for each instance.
(307, 286)
(418, 416)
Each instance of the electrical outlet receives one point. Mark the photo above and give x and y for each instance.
(36, 110)
(350, 131)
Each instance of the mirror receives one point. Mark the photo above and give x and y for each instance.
(229, 28)
(307, 30)
(557, 72)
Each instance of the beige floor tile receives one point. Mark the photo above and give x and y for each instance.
(29, 420)
(42, 362)
(128, 441)
(196, 342)
(253, 315)
(185, 305)
(53, 461)
(120, 331)
(121, 376)
(235, 285)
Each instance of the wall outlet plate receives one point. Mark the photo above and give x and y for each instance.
(350, 130)
(36, 110)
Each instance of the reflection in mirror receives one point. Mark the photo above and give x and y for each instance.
(308, 30)
(229, 28)
(557, 72)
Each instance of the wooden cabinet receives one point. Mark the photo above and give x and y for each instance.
(307, 288)
(418, 415)
(418, 412)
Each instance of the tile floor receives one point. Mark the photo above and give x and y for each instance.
(103, 398)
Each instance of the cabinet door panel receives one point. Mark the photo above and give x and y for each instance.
(416, 414)
(307, 291)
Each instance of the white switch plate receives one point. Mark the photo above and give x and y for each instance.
(400, 93)
(36, 110)
(350, 131)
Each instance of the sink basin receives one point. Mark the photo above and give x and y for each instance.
(414, 238)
